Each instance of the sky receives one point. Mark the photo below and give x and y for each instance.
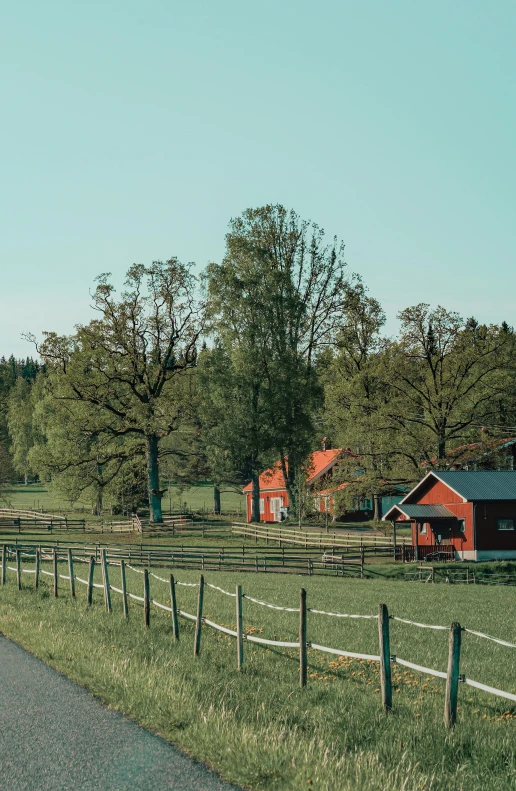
(134, 131)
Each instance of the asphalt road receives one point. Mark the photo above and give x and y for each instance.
(54, 736)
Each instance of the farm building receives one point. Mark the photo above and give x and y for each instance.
(324, 502)
(470, 513)
(273, 491)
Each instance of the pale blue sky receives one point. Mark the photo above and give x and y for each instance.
(134, 131)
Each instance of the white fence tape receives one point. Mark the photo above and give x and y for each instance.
(251, 639)
(188, 584)
(492, 690)
(420, 668)
(28, 571)
(187, 615)
(134, 596)
(352, 654)
(216, 588)
(422, 625)
(341, 614)
(493, 639)
(161, 606)
(219, 627)
(117, 590)
(272, 606)
(158, 578)
(84, 582)
(138, 571)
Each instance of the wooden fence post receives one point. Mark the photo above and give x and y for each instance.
(18, 569)
(146, 598)
(4, 562)
(89, 590)
(452, 679)
(105, 580)
(198, 622)
(239, 628)
(70, 572)
(361, 562)
(173, 606)
(55, 573)
(124, 588)
(385, 657)
(38, 564)
(302, 639)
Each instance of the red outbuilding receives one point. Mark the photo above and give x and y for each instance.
(273, 491)
(470, 513)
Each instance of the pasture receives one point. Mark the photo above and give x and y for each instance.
(198, 498)
(256, 726)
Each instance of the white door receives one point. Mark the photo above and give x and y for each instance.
(276, 503)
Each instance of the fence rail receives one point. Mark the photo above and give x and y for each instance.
(384, 657)
(317, 538)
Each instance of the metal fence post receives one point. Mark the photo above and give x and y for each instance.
(198, 622)
(385, 657)
(302, 639)
(452, 678)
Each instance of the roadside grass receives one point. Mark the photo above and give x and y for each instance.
(257, 727)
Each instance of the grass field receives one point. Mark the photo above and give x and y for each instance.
(198, 498)
(257, 727)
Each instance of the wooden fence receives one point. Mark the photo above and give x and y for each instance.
(385, 658)
(209, 558)
(317, 538)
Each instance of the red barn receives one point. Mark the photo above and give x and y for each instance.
(472, 511)
(273, 492)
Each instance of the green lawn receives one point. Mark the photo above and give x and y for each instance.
(257, 727)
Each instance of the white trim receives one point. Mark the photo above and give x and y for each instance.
(436, 476)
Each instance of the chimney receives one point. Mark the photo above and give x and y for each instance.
(324, 440)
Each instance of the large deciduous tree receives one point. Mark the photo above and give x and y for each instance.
(279, 296)
(122, 366)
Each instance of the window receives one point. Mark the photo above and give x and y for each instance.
(462, 525)
(505, 524)
(262, 506)
(422, 528)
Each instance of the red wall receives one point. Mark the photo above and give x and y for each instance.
(436, 493)
(267, 516)
(488, 535)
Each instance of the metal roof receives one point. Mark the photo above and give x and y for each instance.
(422, 511)
(480, 484)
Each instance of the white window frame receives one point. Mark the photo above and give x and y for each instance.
(499, 522)
(423, 528)
(262, 505)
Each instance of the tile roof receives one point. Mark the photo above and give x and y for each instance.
(320, 462)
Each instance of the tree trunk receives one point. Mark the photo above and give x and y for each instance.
(255, 505)
(216, 499)
(98, 502)
(376, 507)
(155, 495)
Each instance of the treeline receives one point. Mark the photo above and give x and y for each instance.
(183, 378)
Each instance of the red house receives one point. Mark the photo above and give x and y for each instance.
(273, 492)
(474, 512)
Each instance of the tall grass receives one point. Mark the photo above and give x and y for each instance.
(257, 727)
